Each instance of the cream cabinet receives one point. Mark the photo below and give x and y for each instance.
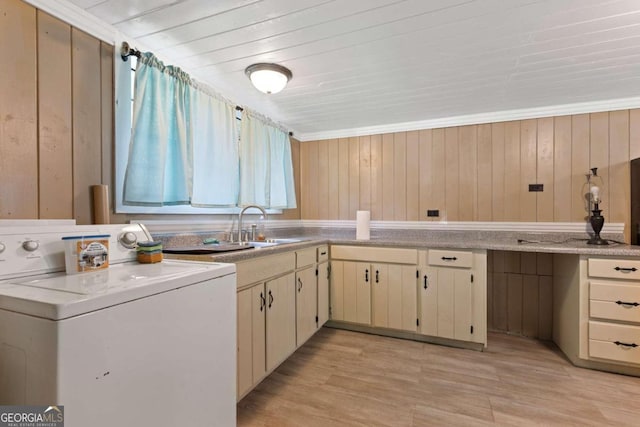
(266, 329)
(351, 291)
(452, 294)
(323, 272)
(597, 311)
(306, 304)
(394, 296)
(280, 319)
(266, 316)
(374, 286)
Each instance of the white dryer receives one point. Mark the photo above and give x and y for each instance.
(131, 345)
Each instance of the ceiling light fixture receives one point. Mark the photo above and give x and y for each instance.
(268, 78)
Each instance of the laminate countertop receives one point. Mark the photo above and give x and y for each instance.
(568, 243)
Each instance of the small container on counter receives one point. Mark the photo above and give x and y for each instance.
(149, 252)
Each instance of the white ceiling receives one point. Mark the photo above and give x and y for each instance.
(362, 63)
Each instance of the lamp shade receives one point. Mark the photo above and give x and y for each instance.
(268, 78)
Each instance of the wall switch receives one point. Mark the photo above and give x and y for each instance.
(536, 187)
(433, 212)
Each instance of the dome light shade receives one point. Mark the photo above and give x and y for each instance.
(268, 78)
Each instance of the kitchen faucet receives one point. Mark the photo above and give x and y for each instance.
(264, 214)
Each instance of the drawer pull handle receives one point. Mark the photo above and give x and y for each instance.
(630, 304)
(624, 344)
(626, 269)
(323, 253)
(447, 258)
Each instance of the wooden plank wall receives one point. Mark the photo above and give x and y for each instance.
(56, 118)
(475, 173)
(520, 293)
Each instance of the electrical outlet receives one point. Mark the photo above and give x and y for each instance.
(536, 187)
(433, 212)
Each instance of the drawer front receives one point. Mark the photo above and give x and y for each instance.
(614, 268)
(263, 268)
(614, 342)
(616, 301)
(370, 254)
(451, 258)
(323, 253)
(305, 257)
(613, 311)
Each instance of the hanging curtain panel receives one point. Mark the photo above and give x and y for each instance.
(266, 169)
(282, 191)
(254, 162)
(215, 152)
(159, 169)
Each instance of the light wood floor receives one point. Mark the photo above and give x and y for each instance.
(342, 378)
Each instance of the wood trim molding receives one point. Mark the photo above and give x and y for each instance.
(476, 119)
(77, 17)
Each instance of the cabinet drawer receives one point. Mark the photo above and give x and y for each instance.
(607, 341)
(263, 268)
(366, 253)
(616, 301)
(614, 268)
(305, 257)
(323, 253)
(451, 258)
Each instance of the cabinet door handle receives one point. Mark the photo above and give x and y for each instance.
(625, 345)
(425, 281)
(366, 276)
(628, 304)
(263, 301)
(625, 269)
(449, 258)
(299, 284)
(377, 276)
(323, 253)
(270, 299)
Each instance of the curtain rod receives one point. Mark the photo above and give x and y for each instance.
(126, 51)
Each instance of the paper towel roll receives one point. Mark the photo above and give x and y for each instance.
(362, 225)
(100, 204)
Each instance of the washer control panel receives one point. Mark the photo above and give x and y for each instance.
(32, 249)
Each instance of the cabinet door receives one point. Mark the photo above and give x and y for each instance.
(429, 301)
(245, 357)
(336, 294)
(363, 292)
(306, 304)
(394, 296)
(463, 305)
(251, 338)
(258, 338)
(455, 308)
(380, 294)
(281, 319)
(323, 293)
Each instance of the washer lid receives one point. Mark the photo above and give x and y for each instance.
(58, 296)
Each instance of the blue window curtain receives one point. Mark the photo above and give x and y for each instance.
(216, 170)
(266, 169)
(185, 150)
(159, 169)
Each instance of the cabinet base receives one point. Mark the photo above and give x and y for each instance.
(394, 333)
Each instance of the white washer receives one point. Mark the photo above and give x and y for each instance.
(131, 345)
